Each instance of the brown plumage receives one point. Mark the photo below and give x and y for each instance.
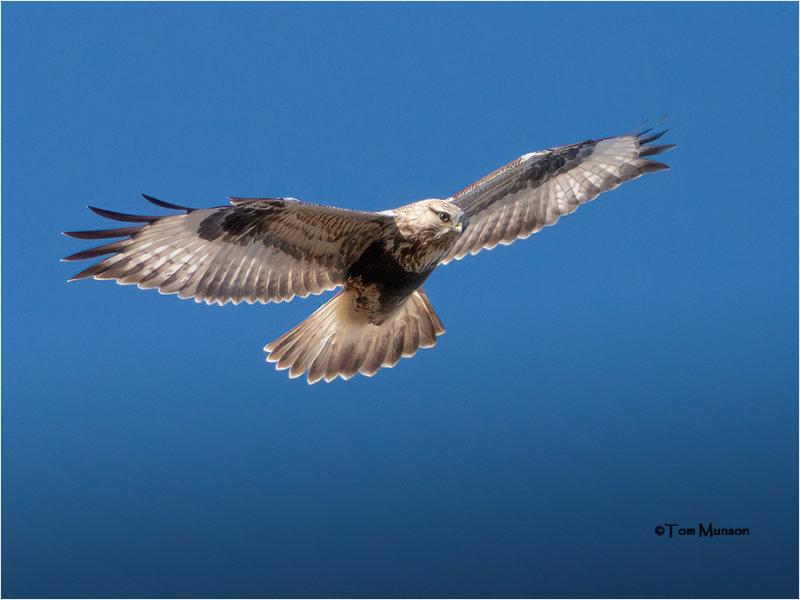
(272, 249)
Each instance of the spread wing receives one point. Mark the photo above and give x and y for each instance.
(257, 249)
(538, 188)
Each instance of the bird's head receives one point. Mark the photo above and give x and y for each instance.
(437, 218)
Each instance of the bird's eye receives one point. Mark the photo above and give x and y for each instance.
(445, 218)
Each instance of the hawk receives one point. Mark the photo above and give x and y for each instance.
(273, 249)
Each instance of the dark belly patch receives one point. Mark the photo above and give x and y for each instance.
(380, 283)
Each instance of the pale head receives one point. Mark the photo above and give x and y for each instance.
(431, 219)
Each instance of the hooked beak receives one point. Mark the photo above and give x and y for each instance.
(462, 224)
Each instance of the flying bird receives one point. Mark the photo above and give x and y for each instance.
(273, 249)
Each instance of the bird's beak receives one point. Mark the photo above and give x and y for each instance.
(462, 224)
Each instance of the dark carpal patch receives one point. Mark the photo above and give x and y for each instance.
(559, 162)
(235, 222)
(243, 226)
(536, 173)
(211, 227)
(259, 202)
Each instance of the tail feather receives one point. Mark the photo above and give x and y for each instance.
(319, 364)
(336, 341)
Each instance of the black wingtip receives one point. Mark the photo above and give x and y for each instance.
(99, 234)
(110, 248)
(74, 234)
(652, 150)
(652, 138)
(167, 205)
(116, 216)
(653, 166)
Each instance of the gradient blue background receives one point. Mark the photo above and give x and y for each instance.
(635, 364)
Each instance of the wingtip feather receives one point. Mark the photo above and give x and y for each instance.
(167, 205)
(652, 166)
(651, 138)
(117, 216)
(97, 234)
(653, 150)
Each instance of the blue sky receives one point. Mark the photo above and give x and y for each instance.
(634, 365)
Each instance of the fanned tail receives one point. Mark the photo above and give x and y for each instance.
(336, 341)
